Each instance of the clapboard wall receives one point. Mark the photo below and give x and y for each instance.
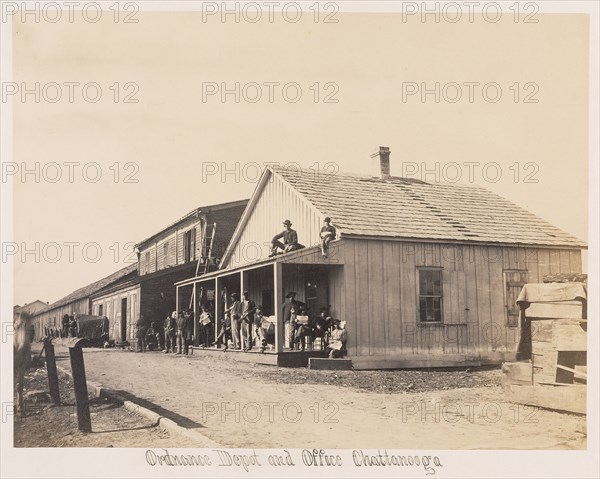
(167, 249)
(377, 294)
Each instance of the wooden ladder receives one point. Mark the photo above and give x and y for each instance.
(205, 252)
(207, 246)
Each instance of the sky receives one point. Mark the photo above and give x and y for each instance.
(360, 80)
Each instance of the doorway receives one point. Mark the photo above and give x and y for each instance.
(124, 320)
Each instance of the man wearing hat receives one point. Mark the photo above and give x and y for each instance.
(328, 233)
(248, 310)
(290, 309)
(170, 327)
(236, 314)
(290, 240)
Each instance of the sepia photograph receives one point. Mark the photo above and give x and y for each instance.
(299, 239)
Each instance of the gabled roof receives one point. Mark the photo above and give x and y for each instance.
(121, 275)
(34, 305)
(362, 205)
(398, 207)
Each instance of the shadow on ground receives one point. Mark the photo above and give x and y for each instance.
(161, 411)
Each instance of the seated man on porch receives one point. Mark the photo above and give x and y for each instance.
(290, 240)
(322, 326)
(337, 344)
(265, 329)
(303, 329)
(225, 333)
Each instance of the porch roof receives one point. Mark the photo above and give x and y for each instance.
(294, 257)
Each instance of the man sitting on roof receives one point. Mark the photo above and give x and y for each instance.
(328, 233)
(290, 240)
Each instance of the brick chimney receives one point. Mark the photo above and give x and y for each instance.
(381, 163)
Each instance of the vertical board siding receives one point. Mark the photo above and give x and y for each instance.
(380, 305)
(377, 329)
(277, 203)
(111, 304)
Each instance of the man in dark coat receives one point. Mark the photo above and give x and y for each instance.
(182, 331)
(66, 323)
(290, 240)
(170, 327)
(140, 334)
(248, 310)
(290, 308)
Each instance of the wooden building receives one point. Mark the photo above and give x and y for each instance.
(423, 275)
(30, 308)
(78, 301)
(185, 248)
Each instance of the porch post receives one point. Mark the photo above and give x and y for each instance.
(177, 300)
(196, 338)
(278, 304)
(217, 308)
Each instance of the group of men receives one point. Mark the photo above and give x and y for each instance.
(69, 326)
(173, 336)
(244, 318)
(301, 326)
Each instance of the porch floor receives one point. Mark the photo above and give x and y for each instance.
(290, 359)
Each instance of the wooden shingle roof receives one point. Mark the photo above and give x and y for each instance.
(361, 205)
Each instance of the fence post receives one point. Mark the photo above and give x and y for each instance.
(51, 369)
(84, 421)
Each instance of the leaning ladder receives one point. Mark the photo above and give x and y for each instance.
(205, 252)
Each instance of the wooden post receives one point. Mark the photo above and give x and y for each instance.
(84, 421)
(278, 304)
(196, 332)
(177, 300)
(242, 287)
(51, 369)
(217, 311)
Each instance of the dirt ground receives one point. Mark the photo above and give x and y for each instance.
(46, 425)
(249, 405)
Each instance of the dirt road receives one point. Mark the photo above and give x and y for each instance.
(246, 405)
(46, 425)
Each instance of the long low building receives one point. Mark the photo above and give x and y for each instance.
(79, 301)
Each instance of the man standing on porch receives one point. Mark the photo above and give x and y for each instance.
(236, 314)
(248, 310)
(290, 240)
(289, 306)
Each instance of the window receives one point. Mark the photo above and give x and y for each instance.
(430, 295)
(514, 280)
(100, 308)
(189, 245)
(165, 254)
(147, 261)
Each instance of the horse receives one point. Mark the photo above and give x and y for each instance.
(23, 334)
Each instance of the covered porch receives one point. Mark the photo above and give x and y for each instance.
(315, 280)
